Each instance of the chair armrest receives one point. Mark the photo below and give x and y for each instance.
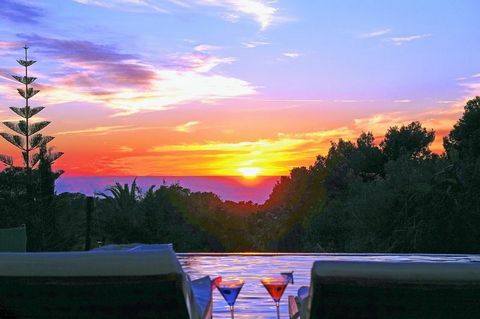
(302, 300)
(202, 296)
(293, 308)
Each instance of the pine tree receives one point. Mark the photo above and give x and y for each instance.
(28, 139)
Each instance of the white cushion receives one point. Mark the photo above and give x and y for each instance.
(109, 262)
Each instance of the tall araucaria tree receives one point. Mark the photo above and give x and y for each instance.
(28, 139)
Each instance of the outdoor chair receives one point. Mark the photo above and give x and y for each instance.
(143, 281)
(394, 290)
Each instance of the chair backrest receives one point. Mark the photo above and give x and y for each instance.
(13, 239)
(142, 283)
(413, 290)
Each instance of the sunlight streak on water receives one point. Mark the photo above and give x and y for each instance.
(254, 301)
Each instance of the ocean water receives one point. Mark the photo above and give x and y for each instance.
(235, 188)
(254, 300)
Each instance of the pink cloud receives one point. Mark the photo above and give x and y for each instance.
(10, 45)
(101, 74)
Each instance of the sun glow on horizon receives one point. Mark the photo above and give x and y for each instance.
(250, 172)
(252, 101)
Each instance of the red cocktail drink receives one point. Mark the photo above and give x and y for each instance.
(276, 287)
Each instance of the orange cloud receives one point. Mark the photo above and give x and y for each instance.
(100, 130)
(439, 119)
(275, 156)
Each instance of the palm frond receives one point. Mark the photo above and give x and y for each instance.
(24, 79)
(26, 94)
(102, 194)
(26, 63)
(116, 190)
(16, 140)
(6, 160)
(135, 190)
(35, 127)
(150, 191)
(123, 197)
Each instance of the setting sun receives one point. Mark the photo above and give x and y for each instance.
(249, 172)
(185, 138)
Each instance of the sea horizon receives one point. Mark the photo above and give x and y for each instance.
(233, 188)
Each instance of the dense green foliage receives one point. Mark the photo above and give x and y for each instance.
(28, 197)
(362, 196)
(413, 201)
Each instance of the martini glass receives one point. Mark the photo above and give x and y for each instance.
(275, 287)
(288, 275)
(230, 290)
(215, 281)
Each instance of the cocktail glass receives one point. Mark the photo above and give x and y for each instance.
(215, 281)
(275, 287)
(288, 275)
(230, 290)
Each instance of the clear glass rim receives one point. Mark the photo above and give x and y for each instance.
(274, 280)
(225, 283)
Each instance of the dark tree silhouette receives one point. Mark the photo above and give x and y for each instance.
(412, 141)
(31, 186)
(464, 140)
(27, 137)
(368, 160)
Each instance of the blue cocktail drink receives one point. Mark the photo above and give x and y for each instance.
(230, 290)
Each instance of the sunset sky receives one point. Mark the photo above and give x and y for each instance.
(234, 87)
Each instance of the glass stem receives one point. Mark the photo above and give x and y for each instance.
(277, 304)
(231, 311)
